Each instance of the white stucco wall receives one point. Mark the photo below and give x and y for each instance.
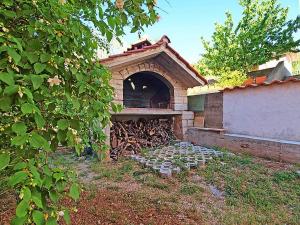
(268, 111)
(287, 63)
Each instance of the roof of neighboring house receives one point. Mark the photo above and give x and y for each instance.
(263, 72)
(279, 72)
(275, 82)
(161, 45)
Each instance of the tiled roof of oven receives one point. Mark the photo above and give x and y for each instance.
(163, 41)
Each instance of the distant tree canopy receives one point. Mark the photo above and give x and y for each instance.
(263, 33)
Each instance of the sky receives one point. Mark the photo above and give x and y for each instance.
(185, 22)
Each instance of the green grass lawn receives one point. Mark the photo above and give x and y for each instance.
(253, 191)
(256, 193)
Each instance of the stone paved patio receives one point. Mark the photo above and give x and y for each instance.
(171, 160)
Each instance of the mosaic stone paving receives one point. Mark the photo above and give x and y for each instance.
(172, 159)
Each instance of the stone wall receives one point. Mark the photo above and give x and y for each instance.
(213, 110)
(182, 123)
(270, 149)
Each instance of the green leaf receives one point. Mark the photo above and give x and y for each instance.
(60, 186)
(76, 103)
(8, 13)
(116, 107)
(26, 194)
(17, 41)
(28, 93)
(36, 175)
(37, 81)
(39, 120)
(27, 108)
(51, 221)
(47, 182)
(74, 71)
(17, 178)
(63, 124)
(32, 57)
(45, 57)
(134, 29)
(5, 103)
(12, 89)
(111, 21)
(38, 217)
(39, 67)
(19, 220)
(109, 36)
(61, 135)
(20, 165)
(8, 2)
(19, 140)
(74, 192)
(4, 160)
(19, 128)
(75, 124)
(22, 208)
(12, 53)
(53, 196)
(7, 78)
(58, 176)
(37, 199)
(79, 76)
(37, 141)
(67, 217)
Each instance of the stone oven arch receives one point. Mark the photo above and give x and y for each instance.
(148, 67)
(147, 89)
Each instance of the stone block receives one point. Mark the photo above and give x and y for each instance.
(190, 123)
(118, 94)
(117, 83)
(188, 115)
(199, 121)
(121, 73)
(184, 123)
(118, 75)
(142, 67)
(180, 107)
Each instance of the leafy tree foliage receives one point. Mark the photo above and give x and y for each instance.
(52, 89)
(231, 78)
(263, 33)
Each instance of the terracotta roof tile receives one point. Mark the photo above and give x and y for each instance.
(292, 79)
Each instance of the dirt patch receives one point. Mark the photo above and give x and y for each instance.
(7, 208)
(275, 166)
(114, 207)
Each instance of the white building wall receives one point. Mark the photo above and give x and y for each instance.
(268, 111)
(273, 63)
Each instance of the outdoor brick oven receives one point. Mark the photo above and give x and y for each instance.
(151, 81)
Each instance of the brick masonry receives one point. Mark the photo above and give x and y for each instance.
(286, 152)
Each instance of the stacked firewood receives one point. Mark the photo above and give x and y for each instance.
(127, 137)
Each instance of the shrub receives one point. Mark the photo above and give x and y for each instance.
(53, 90)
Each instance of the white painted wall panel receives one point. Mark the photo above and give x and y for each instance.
(268, 111)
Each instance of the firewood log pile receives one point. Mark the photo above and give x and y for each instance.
(128, 137)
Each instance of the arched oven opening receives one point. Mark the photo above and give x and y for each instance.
(147, 90)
